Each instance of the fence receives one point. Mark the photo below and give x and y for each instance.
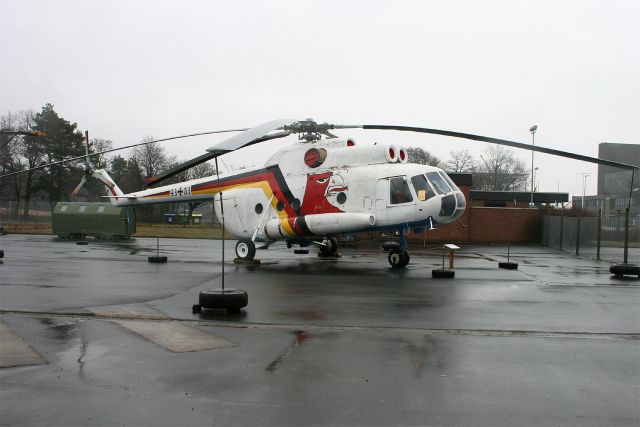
(590, 234)
(12, 211)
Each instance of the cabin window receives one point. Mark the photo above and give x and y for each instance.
(64, 208)
(280, 205)
(82, 208)
(259, 208)
(341, 198)
(449, 180)
(439, 184)
(100, 209)
(422, 187)
(399, 191)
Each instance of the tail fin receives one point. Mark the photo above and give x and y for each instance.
(114, 192)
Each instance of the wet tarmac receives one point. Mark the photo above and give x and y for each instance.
(96, 335)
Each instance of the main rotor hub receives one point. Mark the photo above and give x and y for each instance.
(310, 131)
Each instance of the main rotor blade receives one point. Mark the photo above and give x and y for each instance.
(178, 168)
(504, 142)
(203, 158)
(72, 159)
(248, 136)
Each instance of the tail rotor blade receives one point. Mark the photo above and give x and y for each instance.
(79, 186)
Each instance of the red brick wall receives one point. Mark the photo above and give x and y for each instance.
(501, 225)
(488, 225)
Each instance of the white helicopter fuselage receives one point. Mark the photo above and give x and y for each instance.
(324, 188)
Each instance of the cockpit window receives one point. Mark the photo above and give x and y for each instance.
(449, 180)
(439, 184)
(400, 192)
(422, 187)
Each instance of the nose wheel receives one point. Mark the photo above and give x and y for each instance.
(398, 258)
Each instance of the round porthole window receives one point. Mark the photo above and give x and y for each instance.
(280, 205)
(295, 204)
(342, 197)
(259, 208)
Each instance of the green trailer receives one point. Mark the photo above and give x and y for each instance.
(100, 220)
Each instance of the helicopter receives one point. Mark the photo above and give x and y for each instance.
(314, 191)
(311, 193)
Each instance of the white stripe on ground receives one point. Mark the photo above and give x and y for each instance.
(129, 311)
(15, 352)
(174, 336)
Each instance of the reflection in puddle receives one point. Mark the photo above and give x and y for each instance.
(60, 331)
(300, 337)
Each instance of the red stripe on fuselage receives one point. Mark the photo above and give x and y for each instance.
(249, 178)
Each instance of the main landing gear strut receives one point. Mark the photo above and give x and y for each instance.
(399, 254)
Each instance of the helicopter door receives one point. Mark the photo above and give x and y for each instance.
(232, 221)
(367, 204)
(382, 199)
(401, 206)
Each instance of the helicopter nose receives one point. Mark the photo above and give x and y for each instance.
(452, 205)
(447, 205)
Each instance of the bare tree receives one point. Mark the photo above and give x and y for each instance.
(500, 170)
(420, 156)
(11, 159)
(18, 154)
(460, 161)
(202, 170)
(152, 158)
(96, 145)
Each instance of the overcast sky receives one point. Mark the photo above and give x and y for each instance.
(127, 69)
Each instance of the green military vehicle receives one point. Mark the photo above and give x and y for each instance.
(100, 220)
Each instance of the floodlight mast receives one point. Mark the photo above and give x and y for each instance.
(533, 130)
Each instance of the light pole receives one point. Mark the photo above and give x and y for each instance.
(533, 130)
(584, 185)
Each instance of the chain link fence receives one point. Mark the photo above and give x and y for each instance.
(39, 212)
(591, 234)
(12, 212)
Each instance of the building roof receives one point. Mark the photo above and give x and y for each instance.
(519, 196)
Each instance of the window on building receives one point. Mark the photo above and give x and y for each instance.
(82, 208)
(399, 191)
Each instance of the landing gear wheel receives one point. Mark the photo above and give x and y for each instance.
(330, 246)
(245, 249)
(398, 259)
(230, 299)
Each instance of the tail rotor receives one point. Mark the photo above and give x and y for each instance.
(87, 166)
